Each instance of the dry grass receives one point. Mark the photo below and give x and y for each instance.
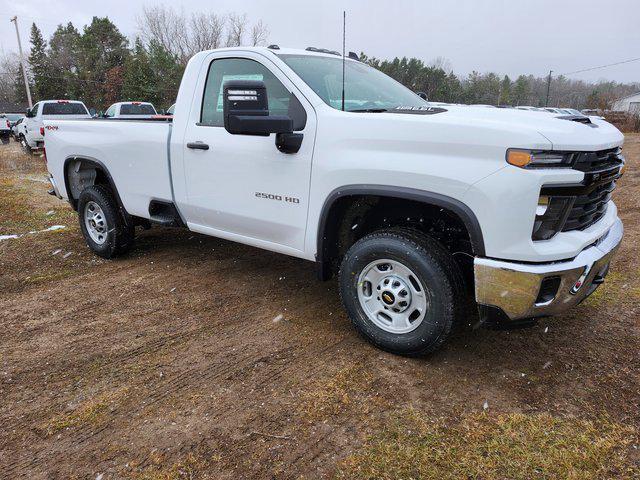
(505, 446)
(24, 208)
(186, 469)
(341, 393)
(90, 412)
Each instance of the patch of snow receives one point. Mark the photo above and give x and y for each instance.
(50, 212)
(50, 229)
(55, 252)
(67, 255)
(278, 318)
(172, 290)
(546, 365)
(546, 329)
(485, 405)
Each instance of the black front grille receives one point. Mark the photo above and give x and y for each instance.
(589, 208)
(590, 198)
(601, 164)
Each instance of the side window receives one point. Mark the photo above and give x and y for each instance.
(111, 111)
(281, 101)
(34, 109)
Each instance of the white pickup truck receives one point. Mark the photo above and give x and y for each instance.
(31, 131)
(417, 209)
(131, 110)
(5, 128)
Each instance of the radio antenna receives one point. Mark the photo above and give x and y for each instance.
(344, 38)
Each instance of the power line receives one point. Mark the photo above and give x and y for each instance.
(602, 66)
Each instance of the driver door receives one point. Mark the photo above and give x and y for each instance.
(242, 187)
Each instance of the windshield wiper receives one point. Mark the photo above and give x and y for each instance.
(368, 110)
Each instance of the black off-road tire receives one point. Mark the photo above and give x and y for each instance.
(119, 235)
(437, 272)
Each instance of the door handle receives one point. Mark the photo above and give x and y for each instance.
(198, 146)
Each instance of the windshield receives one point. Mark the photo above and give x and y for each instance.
(64, 108)
(365, 87)
(137, 109)
(14, 116)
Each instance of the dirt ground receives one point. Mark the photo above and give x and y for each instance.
(194, 357)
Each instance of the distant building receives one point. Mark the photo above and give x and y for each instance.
(630, 104)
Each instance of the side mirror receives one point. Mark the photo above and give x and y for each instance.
(246, 110)
(28, 113)
(422, 95)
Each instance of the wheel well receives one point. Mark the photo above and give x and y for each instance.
(80, 173)
(351, 217)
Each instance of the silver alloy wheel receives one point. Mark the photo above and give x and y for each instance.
(392, 296)
(95, 222)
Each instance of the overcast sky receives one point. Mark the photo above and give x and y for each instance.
(503, 36)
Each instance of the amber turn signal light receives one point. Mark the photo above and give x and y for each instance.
(519, 158)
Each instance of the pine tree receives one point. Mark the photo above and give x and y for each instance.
(43, 83)
(101, 48)
(167, 72)
(505, 91)
(138, 76)
(63, 55)
(521, 91)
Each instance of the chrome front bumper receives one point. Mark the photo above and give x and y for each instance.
(514, 287)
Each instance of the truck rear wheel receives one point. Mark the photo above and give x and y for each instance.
(402, 290)
(103, 225)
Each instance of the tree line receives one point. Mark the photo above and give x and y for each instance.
(100, 66)
(442, 85)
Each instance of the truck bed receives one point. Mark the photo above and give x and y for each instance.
(135, 152)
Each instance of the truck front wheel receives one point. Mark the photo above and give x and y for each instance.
(103, 225)
(402, 290)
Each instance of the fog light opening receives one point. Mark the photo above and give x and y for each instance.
(548, 291)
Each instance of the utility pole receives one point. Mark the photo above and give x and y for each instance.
(546, 104)
(24, 70)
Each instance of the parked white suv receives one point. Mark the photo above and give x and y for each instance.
(417, 209)
(31, 131)
(131, 110)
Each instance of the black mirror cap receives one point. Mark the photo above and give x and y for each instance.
(258, 124)
(422, 95)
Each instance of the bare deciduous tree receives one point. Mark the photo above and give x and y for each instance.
(259, 34)
(184, 36)
(236, 28)
(207, 30)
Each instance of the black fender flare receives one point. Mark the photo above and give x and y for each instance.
(98, 165)
(430, 198)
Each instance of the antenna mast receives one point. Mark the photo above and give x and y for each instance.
(344, 38)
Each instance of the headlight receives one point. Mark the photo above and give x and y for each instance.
(538, 159)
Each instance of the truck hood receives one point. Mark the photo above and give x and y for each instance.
(563, 133)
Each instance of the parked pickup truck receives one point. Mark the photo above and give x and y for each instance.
(134, 110)
(31, 131)
(5, 129)
(417, 209)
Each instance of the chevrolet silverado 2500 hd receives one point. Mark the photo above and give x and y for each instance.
(416, 208)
